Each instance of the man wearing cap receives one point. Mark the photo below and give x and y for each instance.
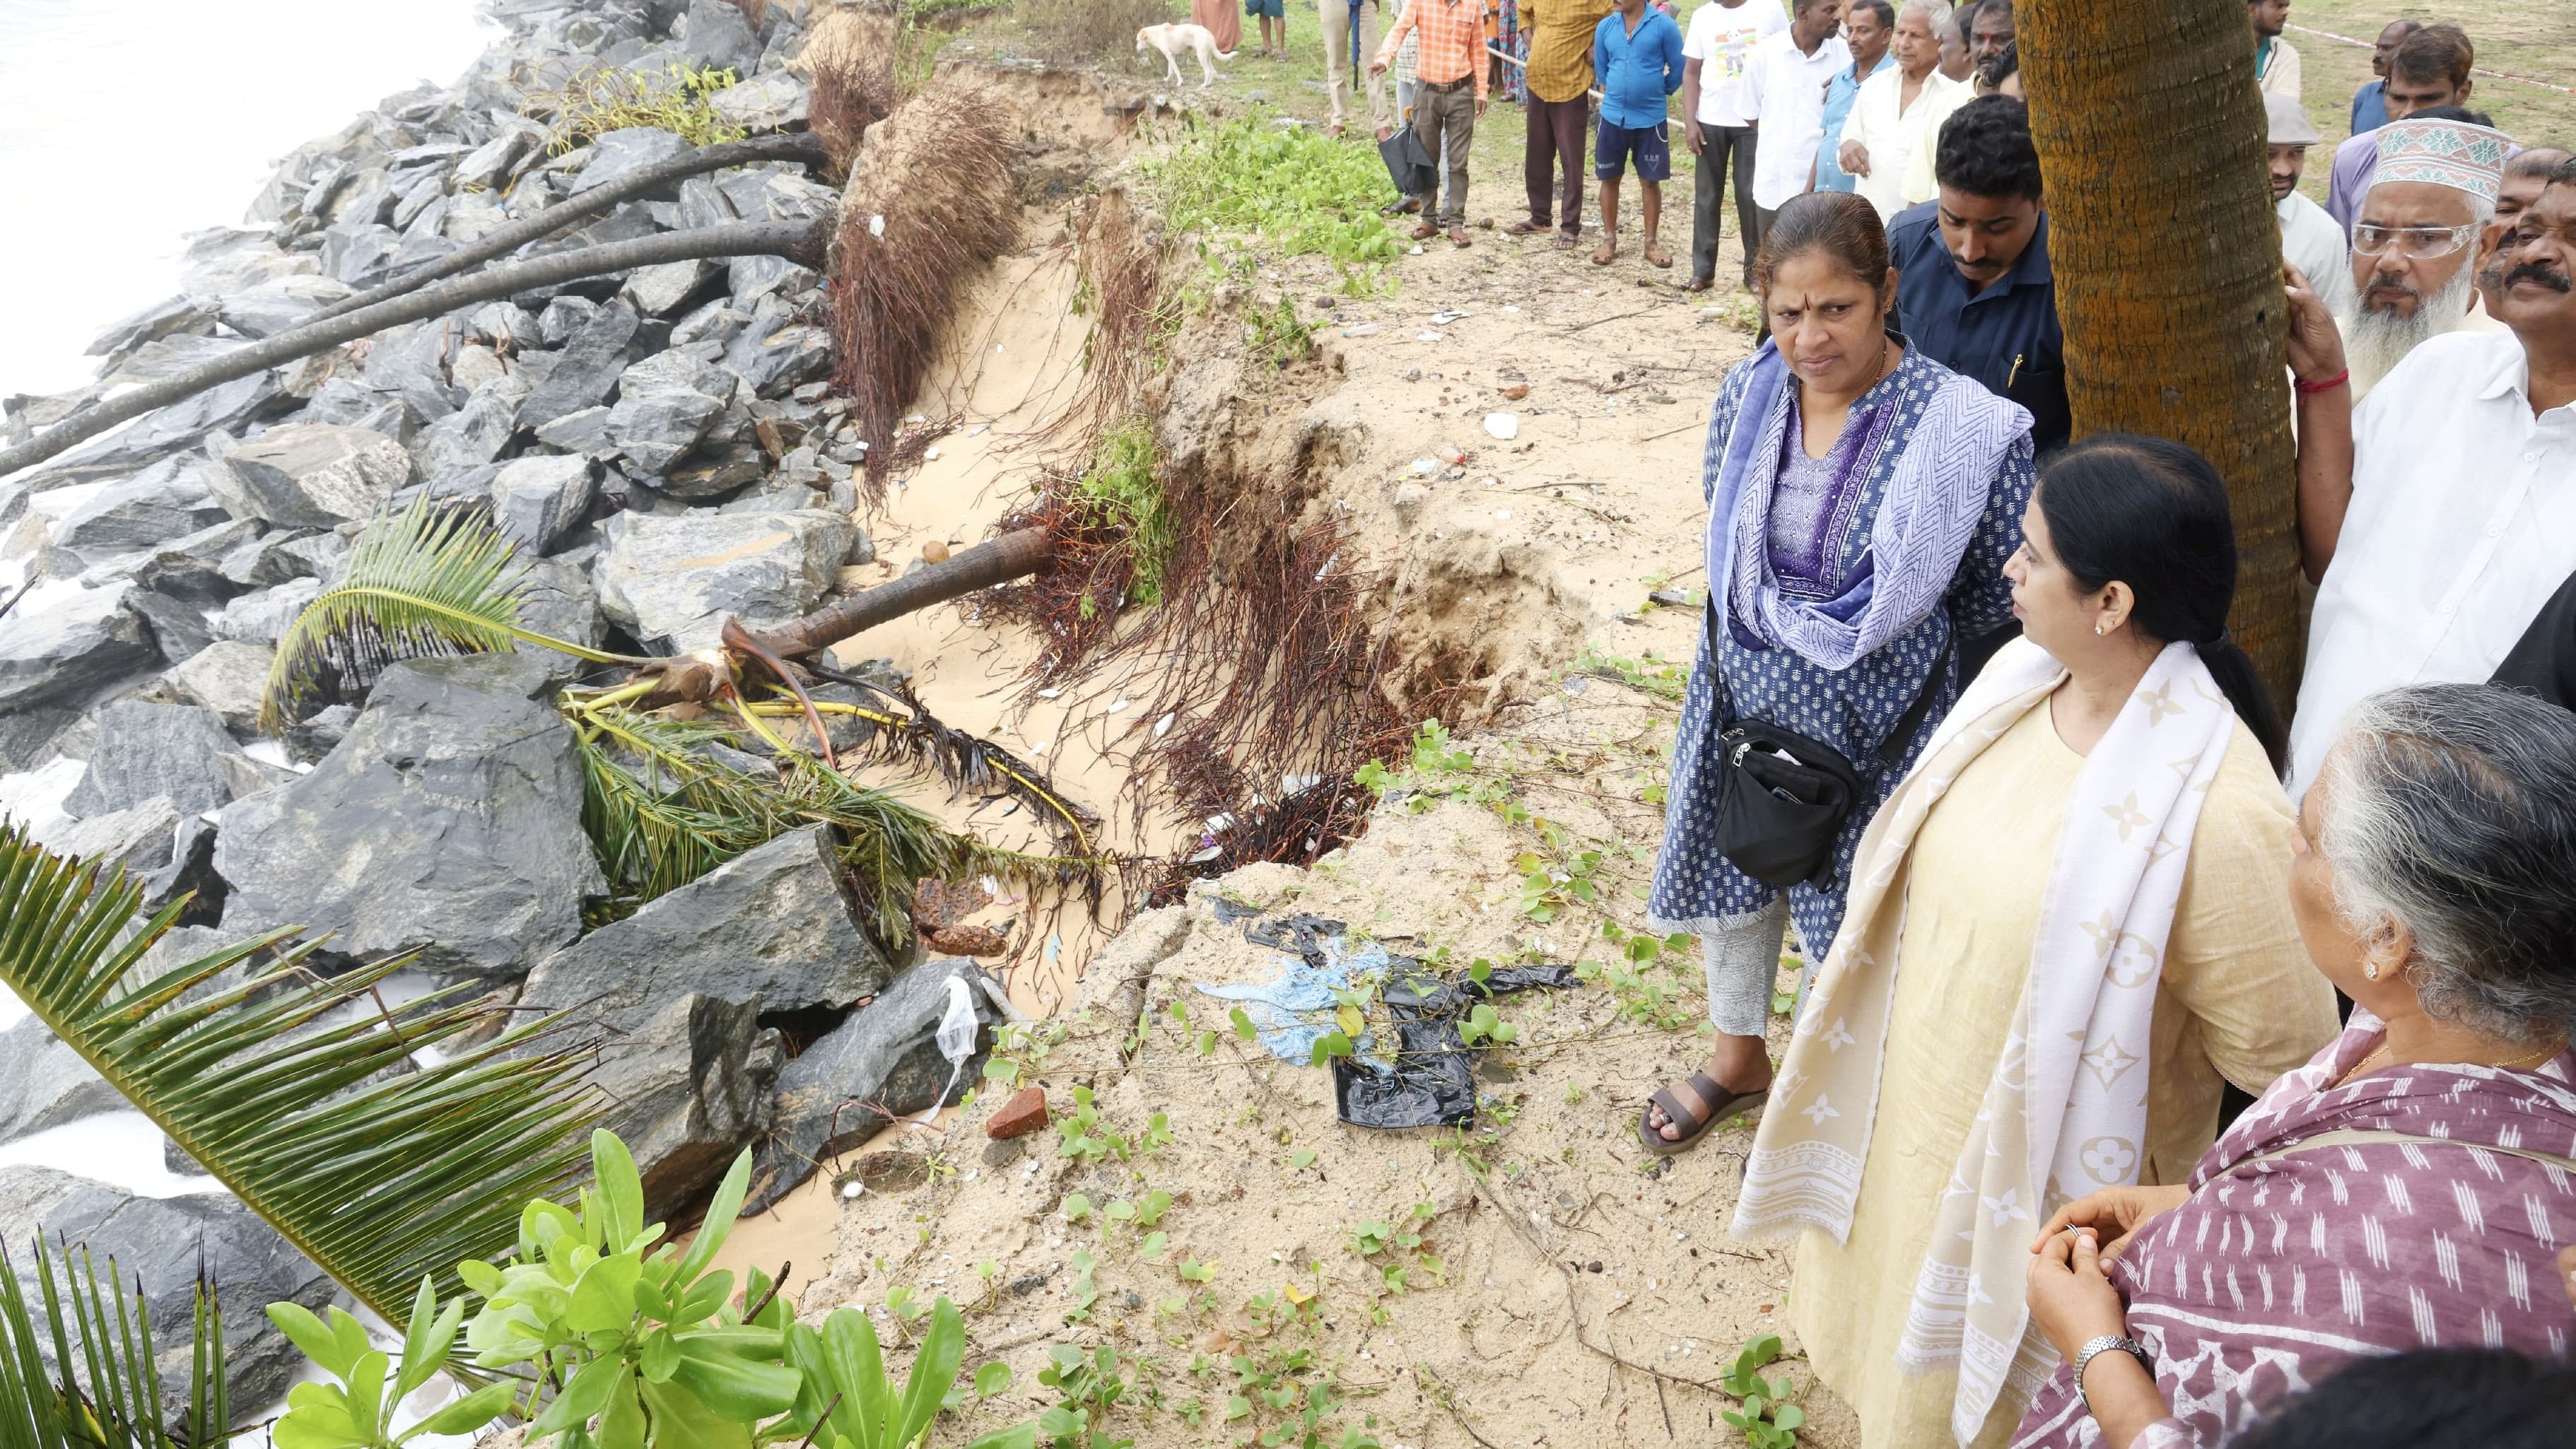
(2435, 516)
(2414, 241)
(2310, 241)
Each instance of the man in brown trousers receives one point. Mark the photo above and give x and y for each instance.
(1560, 74)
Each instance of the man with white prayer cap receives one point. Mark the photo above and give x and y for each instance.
(2437, 518)
(2414, 239)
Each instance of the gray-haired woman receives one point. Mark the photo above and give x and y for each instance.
(2410, 1186)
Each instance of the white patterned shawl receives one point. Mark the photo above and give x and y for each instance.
(2066, 1110)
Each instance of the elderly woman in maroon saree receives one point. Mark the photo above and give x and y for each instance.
(2410, 1187)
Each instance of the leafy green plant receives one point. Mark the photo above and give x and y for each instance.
(1080, 1136)
(120, 1405)
(1298, 192)
(358, 1412)
(1124, 495)
(1633, 979)
(228, 1055)
(1483, 1026)
(1766, 1418)
(845, 1399)
(1087, 1386)
(649, 1343)
(1020, 1051)
(1275, 334)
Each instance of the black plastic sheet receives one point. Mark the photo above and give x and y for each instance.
(1432, 1082)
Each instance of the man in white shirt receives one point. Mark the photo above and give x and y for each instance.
(2276, 64)
(2310, 241)
(1784, 92)
(1720, 40)
(2453, 519)
(1899, 111)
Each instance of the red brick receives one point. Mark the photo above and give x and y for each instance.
(1025, 1113)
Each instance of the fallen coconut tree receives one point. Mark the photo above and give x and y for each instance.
(662, 804)
(804, 242)
(805, 150)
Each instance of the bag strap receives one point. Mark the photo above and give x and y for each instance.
(1892, 749)
(2355, 1136)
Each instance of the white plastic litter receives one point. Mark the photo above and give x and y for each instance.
(1425, 467)
(1116, 705)
(1504, 426)
(1049, 693)
(956, 1039)
(1163, 726)
(1365, 329)
(1504, 514)
(931, 454)
(876, 227)
(1427, 335)
(1443, 319)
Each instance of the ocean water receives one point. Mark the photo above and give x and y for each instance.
(125, 124)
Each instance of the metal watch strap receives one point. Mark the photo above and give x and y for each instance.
(2106, 1342)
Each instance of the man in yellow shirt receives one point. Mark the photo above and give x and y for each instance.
(1560, 74)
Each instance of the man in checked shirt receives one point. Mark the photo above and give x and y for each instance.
(1452, 34)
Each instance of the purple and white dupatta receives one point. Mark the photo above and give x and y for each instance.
(2280, 1268)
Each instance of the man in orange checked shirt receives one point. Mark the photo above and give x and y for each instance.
(1444, 110)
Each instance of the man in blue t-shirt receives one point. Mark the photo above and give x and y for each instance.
(1974, 289)
(1637, 56)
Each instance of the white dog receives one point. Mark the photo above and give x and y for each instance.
(1171, 40)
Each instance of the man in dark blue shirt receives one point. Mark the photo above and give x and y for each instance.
(1974, 289)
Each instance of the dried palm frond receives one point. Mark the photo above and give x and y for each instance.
(433, 579)
(929, 202)
(281, 1083)
(910, 734)
(663, 811)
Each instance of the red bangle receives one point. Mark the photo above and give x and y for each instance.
(2329, 385)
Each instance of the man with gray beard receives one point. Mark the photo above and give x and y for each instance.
(2438, 514)
(2414, 240)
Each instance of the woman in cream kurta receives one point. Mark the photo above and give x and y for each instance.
(2237, 1003)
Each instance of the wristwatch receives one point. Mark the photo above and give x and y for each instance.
(2103, 1344)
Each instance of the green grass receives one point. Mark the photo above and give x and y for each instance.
(1121, 486)
(1296, 191)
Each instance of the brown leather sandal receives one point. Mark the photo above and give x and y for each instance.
(1724, 1106)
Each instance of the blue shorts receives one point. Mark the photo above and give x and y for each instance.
(1613, 145)
(1275, 9)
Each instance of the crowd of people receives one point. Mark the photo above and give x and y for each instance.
(1968, 719)
(2162, 1075)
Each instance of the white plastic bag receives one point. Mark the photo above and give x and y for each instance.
(956, 1037)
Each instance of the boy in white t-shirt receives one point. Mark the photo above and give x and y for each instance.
(1722, 34)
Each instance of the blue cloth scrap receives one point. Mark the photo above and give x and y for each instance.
(1278, 1007)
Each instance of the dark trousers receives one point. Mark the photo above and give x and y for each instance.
(1557, 145)
(1446, 117)
(1724, 145)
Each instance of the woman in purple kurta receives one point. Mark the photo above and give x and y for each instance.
(2411, 1186)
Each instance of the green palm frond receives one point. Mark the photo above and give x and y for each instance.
(298, 1092)
(117, 1403)
(435, 578)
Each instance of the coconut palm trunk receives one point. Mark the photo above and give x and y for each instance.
(2168, 261)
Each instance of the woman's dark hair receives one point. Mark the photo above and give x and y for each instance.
(1985, 149)
(1999, 67)
(2152, 514)
(2435, 1398)
(1840, 224)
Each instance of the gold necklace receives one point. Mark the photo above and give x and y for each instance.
(2545, 1054)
